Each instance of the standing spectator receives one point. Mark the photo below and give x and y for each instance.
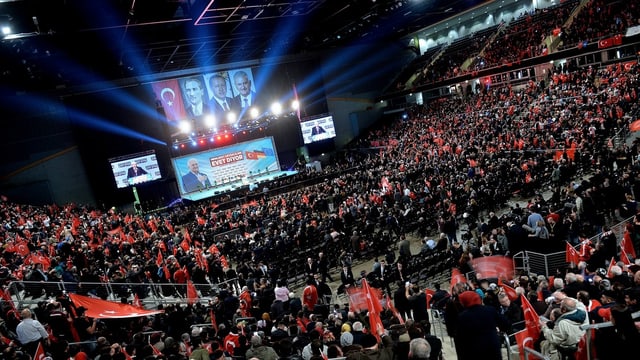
(324, 267)
(476, 329)
(30, 332)
(404, 248)
(86, 329)
(310, 295)
(346, 277)
(418, 302)
(620, 340)
(401, 302)
(511, 311)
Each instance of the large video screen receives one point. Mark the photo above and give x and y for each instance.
(134, 169)
(318, 129)
(242, 162)
(210, 100)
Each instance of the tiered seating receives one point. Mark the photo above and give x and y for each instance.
(414, 69)
(524, 37)
(449, 63)
(600, 19)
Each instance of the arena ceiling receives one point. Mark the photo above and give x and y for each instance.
(57, 39)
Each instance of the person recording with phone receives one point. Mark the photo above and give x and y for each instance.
(194, 179)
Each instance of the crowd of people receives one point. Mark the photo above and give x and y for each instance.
(526, 37)
(447, 169)
(600, 19)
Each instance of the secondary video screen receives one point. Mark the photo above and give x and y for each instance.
(318, 129)
(134, 169)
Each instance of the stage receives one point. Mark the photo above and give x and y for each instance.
(248, 183)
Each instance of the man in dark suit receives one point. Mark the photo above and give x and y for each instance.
(347, 279)
(194, 179)
(195, 105)
(219, 103)
(246, 98)
(384, 274)
(310, 268)
(317, 130)
(134, 170)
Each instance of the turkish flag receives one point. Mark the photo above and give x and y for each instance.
(572, 255)
(511, 292)
(393, 309)
(41, 259)
(372, 296)
(136, 301)
(611, 264)
(224, 262)
(192, 293)
(251, 155)
(429, 294)
(40, 354)
(456, 277)
(185, 245)
(617, 39)
(357, 299)
(626, 244)
(22, 248)
(159, 258)
(102, 309)
(168, 225)
(496, 266)
(605, 43)
(624, 257)
(531, 318)
(169, 96)
(213, 249)
(524, 339)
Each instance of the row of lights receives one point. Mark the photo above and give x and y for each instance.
(232, 118)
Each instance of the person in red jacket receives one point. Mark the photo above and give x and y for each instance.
(310, 295)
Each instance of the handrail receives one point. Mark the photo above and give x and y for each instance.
(152, 291)
(606, 324)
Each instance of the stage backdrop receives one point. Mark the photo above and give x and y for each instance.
(217, 167)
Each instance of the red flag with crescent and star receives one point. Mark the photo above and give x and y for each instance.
(169, 96)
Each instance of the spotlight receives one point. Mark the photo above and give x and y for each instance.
(295, 105)
(231, 117)
(254, 112)
(201, 141)
(6, 30)
(185, 126)
(276, 108)
(209, 121)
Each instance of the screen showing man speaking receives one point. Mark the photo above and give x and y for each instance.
(238, 163)
(134, 169)
(318, 129)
